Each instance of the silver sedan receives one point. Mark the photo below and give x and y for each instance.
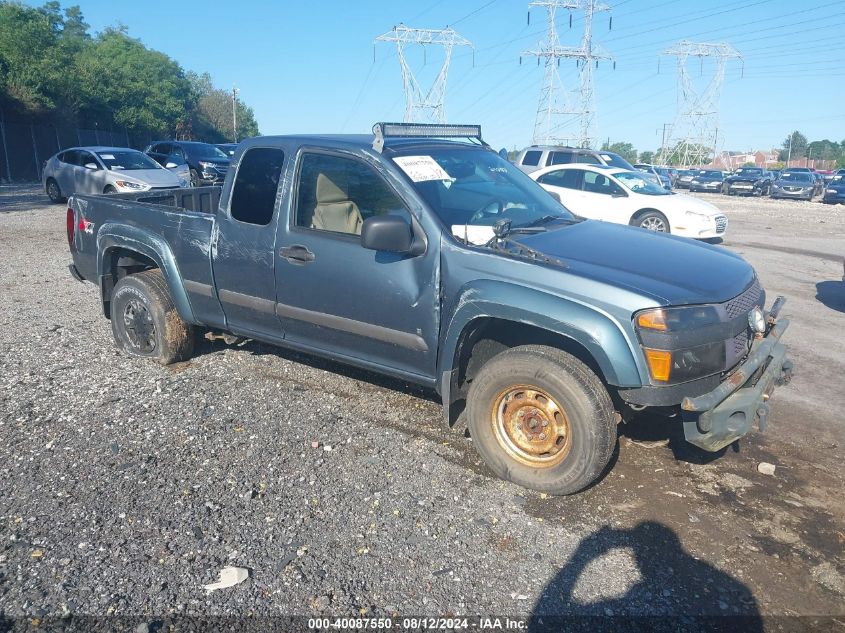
(95, 170)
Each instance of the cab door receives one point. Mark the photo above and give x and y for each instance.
(243, 247)
(377, 308)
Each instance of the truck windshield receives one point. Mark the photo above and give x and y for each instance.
(469, 186)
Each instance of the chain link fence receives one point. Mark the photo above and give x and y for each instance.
(26, 145)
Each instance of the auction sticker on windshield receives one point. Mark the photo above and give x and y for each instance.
(421, 168)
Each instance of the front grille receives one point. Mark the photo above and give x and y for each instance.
(792, 188)
(744, 302)
(740, 344)
(721, 223)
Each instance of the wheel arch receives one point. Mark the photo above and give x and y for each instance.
(586, 333)
(131, 249)
(641, 212)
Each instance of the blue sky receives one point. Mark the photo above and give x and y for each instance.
(309, 66)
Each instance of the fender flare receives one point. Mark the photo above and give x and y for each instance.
(112, 236)
(597, 331)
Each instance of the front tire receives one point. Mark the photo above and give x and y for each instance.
(542, 419)
(110, 189)
(144, 320)
(195, 178)
(652, 221)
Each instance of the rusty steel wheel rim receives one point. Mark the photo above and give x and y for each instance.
(531, 426)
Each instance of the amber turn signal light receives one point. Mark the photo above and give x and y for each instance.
(659, 363)
(652, 320)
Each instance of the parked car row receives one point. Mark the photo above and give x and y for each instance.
(800, 183)
(162, 165)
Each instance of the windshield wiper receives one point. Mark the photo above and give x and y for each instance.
(551, 218)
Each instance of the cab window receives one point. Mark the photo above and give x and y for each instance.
(254, 191)
(337, 194)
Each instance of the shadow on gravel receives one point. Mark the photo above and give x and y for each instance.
(656, 428)
(376, 380)
(674, 591)
(831, 294)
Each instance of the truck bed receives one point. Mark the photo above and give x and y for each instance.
(172, 227)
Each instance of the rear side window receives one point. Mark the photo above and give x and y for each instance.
(531, 158)
(559, 158)
(254, 191)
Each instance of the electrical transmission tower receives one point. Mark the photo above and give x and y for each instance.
(559, 110)
(424, 106)
(693, 136)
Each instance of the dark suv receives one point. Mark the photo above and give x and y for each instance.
(538, 156)
(207, 163)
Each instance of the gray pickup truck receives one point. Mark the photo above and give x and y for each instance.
(419, 252)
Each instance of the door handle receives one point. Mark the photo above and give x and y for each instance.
(297, 254)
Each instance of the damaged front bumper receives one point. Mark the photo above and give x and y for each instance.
(725, 414)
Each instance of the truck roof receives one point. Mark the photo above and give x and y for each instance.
(358, 141)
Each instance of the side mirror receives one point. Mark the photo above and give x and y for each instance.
(618, 194)
(92, 166)
(555, 195)
(171, 165)
(390, 233)
(503, 153)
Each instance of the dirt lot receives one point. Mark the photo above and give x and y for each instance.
(125, 487)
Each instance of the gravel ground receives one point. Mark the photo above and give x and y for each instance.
(126, 487)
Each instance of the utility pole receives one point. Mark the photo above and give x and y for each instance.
(789, 153)
(554, 111)
(235, 92)
(697, 118)
(424, 106)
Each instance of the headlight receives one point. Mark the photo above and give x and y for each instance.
(662, 331)
(700, 217)
(757, 320)
(125, 184)
(695, 182)
(831, 190)
(206, 165)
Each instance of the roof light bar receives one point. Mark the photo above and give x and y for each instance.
(422, 130)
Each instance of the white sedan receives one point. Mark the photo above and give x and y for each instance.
(626, 197)
(95, 170)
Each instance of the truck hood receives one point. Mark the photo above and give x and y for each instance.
(671, 270)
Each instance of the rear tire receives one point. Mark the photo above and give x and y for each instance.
(542, 419)
(144, 320)
(54, 192)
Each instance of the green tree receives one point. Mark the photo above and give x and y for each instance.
(212, 120)
(625, 150)
(798, 144)
(824, 150)
(137, 88)
(646, 157)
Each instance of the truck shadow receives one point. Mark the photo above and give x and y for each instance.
(669, 590)
(831, 294)
(657, 428)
